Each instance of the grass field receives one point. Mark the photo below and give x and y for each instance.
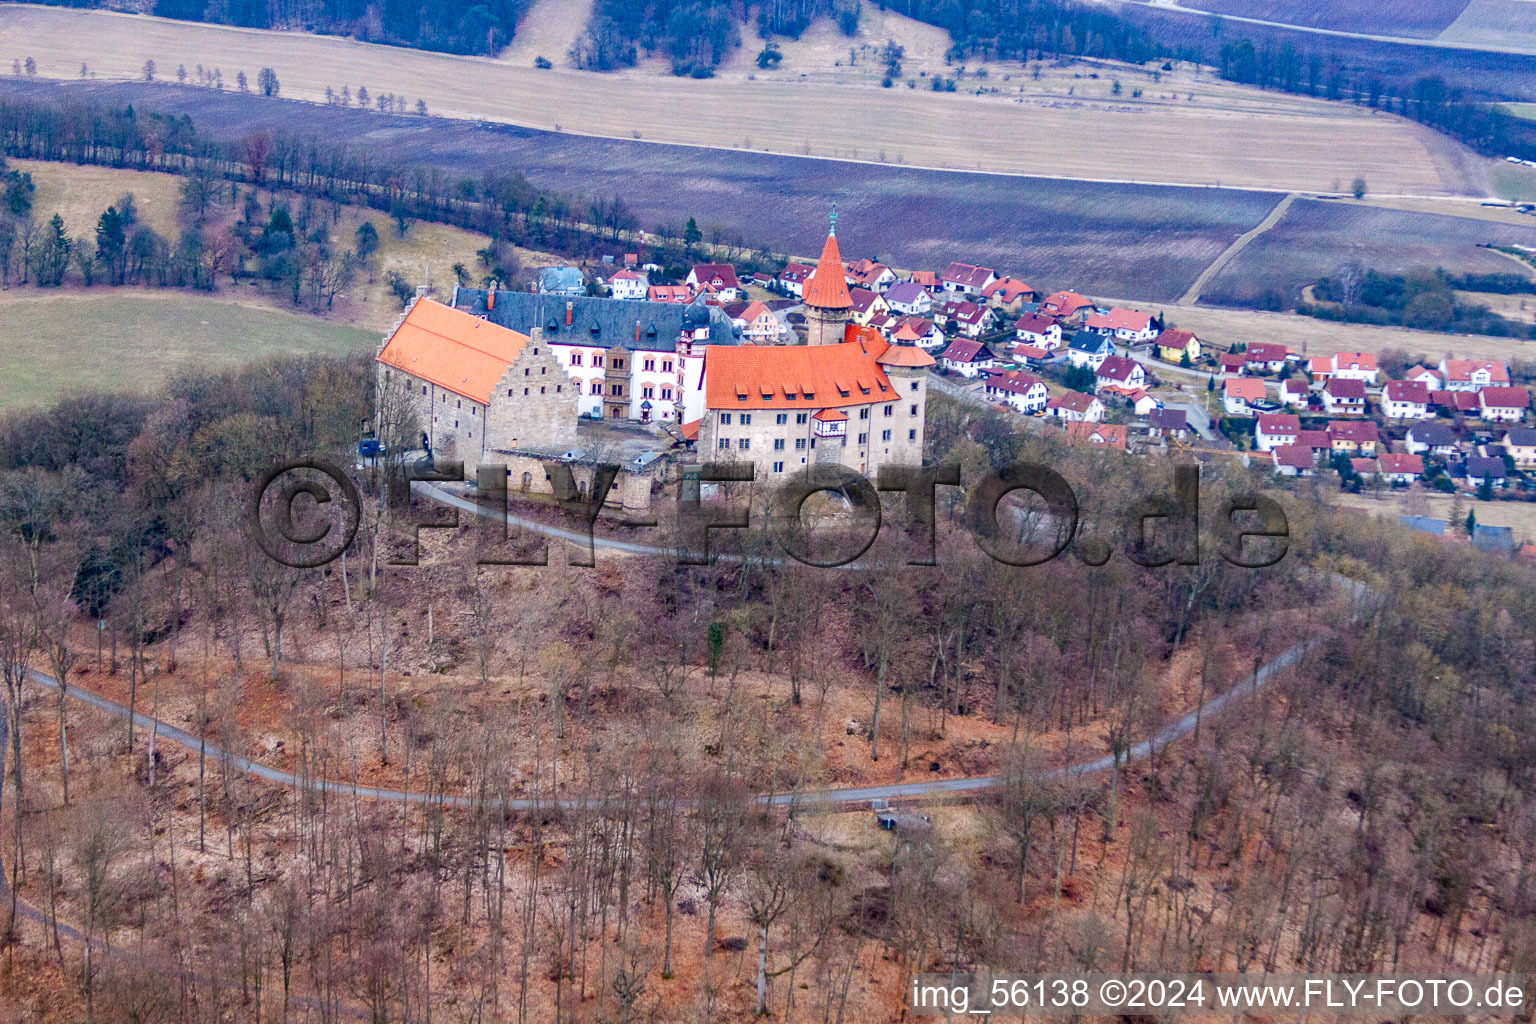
(1225, 327)
(1419, 19)
(1519, 516)
(1265, 140)
(80, 194)
(122, 340)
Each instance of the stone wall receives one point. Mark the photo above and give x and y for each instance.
(534, 404)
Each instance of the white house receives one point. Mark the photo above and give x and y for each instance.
(909, 298)
(1503, 405)
(1276, 429)
(1122, 372)
(1075, 407)
(1038, 331)
(1473, 374)
(967, 358)
(1359, 366)
(1405, 400)
(1400, 468)
(628, 284)
(1431, 438)
(721, 277)
(1090, 349)
(1424, 375)
(1237, 394)
(1128, 326)
(1295, 392)
(962, 277)
(1344, 396)
(1023, 391)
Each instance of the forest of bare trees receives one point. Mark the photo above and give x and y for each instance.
(588, 749)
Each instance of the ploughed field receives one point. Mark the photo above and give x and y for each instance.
(1317, 236)
(1422, 19)
(1115, 239)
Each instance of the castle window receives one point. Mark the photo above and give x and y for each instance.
(650, 364)
(778, 467)
(778, 444)
(597, 360)
(864, 413)
(890, 409)
(423, 389)
(744, 443)
(799, 444)
(541, 389)
(525, 392)
(543, 370)
(666, 394)
(914, 385)
(597, 387)
(863, 438)
(647, 392)
(911, 435)
(725, 442)
(781, 418)
(666, 366)
(575, 358)
(559, 388)
(725, 419)
(885, 435)
(801, 417)
(746, 418)
(914, 409)
(509, 392)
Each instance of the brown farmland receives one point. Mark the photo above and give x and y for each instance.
(1286, 143)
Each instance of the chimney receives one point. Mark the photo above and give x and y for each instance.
(569, 311)
(637, 330)
(490, 296)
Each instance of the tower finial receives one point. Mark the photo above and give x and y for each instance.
(833, 219)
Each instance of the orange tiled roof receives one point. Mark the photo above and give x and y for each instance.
(797, 376)
(828, 289)
(905, 355)
(454, 350)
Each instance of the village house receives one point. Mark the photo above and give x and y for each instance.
(721, 277)
(1007, 294)
(1175, 345)
(1090, 349)
(866, 305)
(1424, 375)
(1464, 402)
(1120, 371)
(1318, 442)
(1238, 394)
(1075, 407)
(1266, 356)
(1276, 429)
(1295, 391)
(1293, 460)
(680, 294)
(1473, 374)
(1024, 392)
(1127, 326)
(1344, 396)
(1353, 437)
(1405, 400)
(1168, 423)
(1503, 405)
(1231, 364)
(1485, 467)
(967, 358)
(628, 284)
(877, 277)
(910, 298)
(793, 277)
(1099, 435)
(1435, 439)
(1065, 304)
(859, 404)
(1400, 467)
(1038, 330)
(926, 279)
(760, 325)
(1520, 443)
(1359, 366)
(1137, 399)
(962, 277)
(968, 318)
(561, 281)
(919, 331)
(1034, 357)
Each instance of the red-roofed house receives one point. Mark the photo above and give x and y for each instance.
(1503, 405)
(1359, 366)
(962, 277)
(1007, 294)
(669, 293)
(1101, 435)
(970, 318)
(1173, 345)
(1424, 375)
(1293, 460)
(794, 276)
(1231, 363)
(1038, 330)
(719, 276)
(1294, 391)
(1455, 401)
(1400, 468)
(1266, 355)
(1405, 400)
(1276, 429)
(1344, 396)
(1075, 407)
(1353, 436)
(628, 284)
(1065, 304)
(1473, 374)
(1120, 371)
(877, 277)
(1023, 391)
(1237, 393)
(1130, 326)
(760, 326)
(967, 358)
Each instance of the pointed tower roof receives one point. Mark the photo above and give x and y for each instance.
(828, 288)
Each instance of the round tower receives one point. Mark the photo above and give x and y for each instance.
(828, 305)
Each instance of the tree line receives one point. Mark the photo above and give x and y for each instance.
(1421, 299)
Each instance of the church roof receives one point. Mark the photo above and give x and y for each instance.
(828, 288)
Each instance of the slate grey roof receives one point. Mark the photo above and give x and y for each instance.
(594, 321)
(1424, 524)
(1091, 342)
(567, 280)
(1493, 539)
(1435, 434)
